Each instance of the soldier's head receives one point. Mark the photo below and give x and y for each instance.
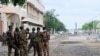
(16, 29)
(44, 28)
(27, 29)
(33, 29)
(38, 29)
(21, 27)
(10, 27)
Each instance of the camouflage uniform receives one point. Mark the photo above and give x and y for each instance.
(16, 38)
(32, 42)
(10, 42)
(38, 41)
(45, 38)
(23, 43)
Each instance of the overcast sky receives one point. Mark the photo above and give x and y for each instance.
(72, 11)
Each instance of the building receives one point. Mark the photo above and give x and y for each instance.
(29, 16)
(35, 12)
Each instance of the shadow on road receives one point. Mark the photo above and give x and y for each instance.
(70, 42)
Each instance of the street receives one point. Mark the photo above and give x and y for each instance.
(64, 45)
(75, 46)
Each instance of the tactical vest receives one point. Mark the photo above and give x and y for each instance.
(45, 36)
(16, 37)
(23, 35)
(10, 39)
(32, 36)
(38, 37)
(48, 35)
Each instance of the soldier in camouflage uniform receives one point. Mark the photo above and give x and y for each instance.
(46, 38)
(23, 42)
(10, 41)
(32, 42)
(38, 41)
(16, 38)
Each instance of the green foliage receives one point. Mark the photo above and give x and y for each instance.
(91, 25)
(85, 26)
(52, 21)
(14, 2)
(4, 2)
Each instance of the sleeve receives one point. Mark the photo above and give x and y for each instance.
(48, 35)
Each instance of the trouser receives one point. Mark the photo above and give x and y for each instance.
(17, 51)
(23, 50)
(46, 48)
(39, 48)
(10, 47)
(30, 46)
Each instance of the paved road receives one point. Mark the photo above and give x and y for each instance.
(69, 46)
(76, 46)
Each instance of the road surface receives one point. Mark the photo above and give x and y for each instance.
(68, 46)
(75, 46)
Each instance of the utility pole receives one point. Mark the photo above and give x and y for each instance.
(75, 27)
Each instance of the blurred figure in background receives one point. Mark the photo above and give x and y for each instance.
(10, 41)
(16, 38)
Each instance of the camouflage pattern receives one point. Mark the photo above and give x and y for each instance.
(33, 43)
(46, 38)
(31, 37)
(38, 41)
(23, 43)
(16, 38)
(10, 42)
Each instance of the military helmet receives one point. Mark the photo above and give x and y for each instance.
(16, 29)
(21, 27)
(27, 29)
(38, 28)
(44, 28)
(10, 26)
(33, 29)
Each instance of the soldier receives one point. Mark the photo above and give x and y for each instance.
(23, 42)
(38, 41)
(16, 38)
(32, 42)
(46, 38)
(10, 41)
(27, 35)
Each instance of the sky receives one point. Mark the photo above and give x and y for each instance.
(71, 11)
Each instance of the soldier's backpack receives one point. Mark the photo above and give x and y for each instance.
(23, 36)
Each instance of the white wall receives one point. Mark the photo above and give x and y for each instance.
(15, 20)
(38, 5)
(4, 19)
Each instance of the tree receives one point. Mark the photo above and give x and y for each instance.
(14, 2)
(91, 25)
(52, 22)
(85, 26)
